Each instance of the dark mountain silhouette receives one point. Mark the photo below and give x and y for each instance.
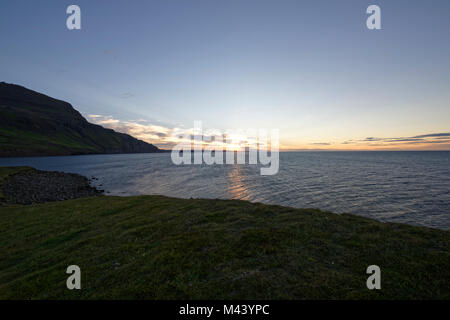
(33, 124)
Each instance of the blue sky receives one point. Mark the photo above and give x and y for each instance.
(309, 68)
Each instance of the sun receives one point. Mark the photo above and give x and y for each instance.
(234, 146)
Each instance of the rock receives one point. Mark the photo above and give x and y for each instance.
(35, 186)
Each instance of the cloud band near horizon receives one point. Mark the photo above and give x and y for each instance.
(166, 137)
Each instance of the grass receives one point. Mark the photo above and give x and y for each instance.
(12, 139)
(155, 247)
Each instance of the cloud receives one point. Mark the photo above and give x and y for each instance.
(424, 141)
(433, 135)
(371, 139)
(126, 95)
(110, 53)
(402, 140)
(107, 121)
(139, 129)
(432, 141)
(166, 137)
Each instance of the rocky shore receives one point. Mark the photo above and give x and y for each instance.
(35, 186)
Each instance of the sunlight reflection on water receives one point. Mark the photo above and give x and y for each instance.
(237, 187)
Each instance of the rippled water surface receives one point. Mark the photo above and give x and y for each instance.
(410, 187)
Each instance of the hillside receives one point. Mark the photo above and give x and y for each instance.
(33, 124)
(155, 247)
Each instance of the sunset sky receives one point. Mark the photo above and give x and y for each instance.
(311, 69)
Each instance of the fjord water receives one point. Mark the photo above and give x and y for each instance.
(408, 187)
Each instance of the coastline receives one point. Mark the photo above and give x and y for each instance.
(156, 247)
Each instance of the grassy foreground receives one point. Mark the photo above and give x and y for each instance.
(155, 247)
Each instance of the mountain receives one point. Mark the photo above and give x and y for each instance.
(33, 124)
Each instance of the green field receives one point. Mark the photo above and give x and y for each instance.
(155, 247)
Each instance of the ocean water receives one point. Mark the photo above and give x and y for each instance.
(407, 187)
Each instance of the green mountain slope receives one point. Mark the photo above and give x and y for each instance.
(33, 124)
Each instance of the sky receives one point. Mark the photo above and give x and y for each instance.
(311, 69)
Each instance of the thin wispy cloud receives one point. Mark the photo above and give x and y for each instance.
(321, 143)
(140, 129)
(433, 135)
(425, 141)
(127, 95)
